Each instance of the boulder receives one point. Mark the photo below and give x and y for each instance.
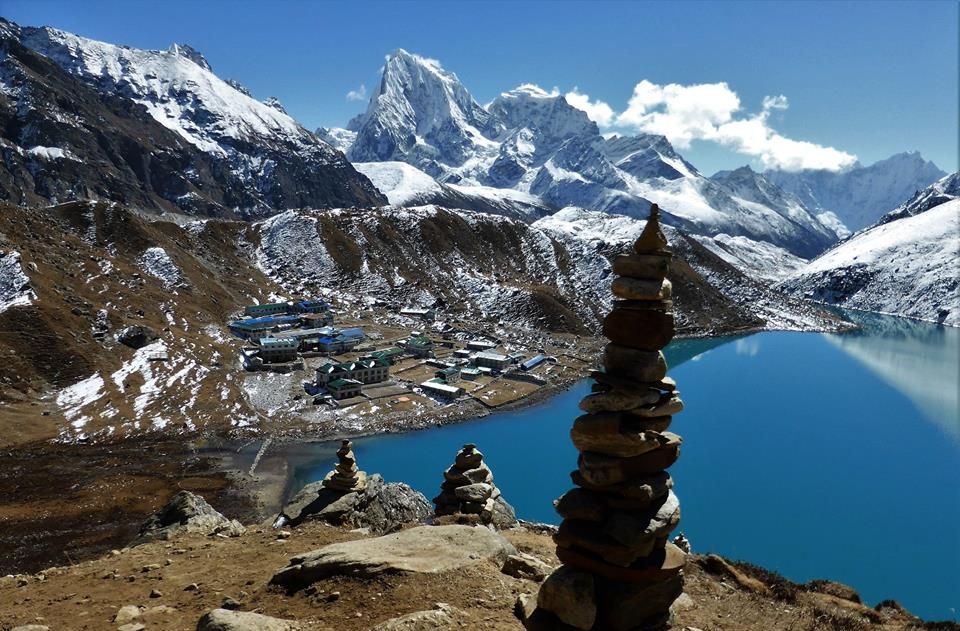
(441, 618)
(137, 336)
(569, 595)
(526, 566)
(378, 506)
(225, 620)
(186, 513)
(625, 604)
(425, 549)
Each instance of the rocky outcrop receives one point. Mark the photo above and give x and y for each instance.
(187, 513)
(619, 573)
(468, 490)
(137, 336)
(348, 497)
(439, 619)
(425, 549)
(226, 620)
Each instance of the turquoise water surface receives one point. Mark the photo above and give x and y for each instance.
(818, 456)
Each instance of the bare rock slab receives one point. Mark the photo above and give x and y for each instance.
(425, 549)
(442, 618)
(226, 620)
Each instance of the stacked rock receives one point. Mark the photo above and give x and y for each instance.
(619, 572)
(468, 487)
(346, 476)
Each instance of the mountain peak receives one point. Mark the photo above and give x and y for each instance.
(191, 53)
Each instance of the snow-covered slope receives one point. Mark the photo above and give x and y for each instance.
(534, 141)
(406, 185)
(280, 163)
(862, 194)
(905, 267)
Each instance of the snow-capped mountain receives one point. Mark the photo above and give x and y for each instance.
(271, 160)
(534, 141)
(421, 114)
(861, 195)
(905, 266)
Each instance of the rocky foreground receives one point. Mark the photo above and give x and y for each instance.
(193, 568)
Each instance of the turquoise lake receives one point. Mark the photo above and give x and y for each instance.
(818, 456)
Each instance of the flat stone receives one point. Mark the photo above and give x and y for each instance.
(651, 266)
(587, 435)
(425, 549)
(569, 595)
(667, 407)
(601, 469)
(132, 626)
(641, 530)
(590, 536)
(225, 620)
(526, 566)
(617, 381)
(617, 400)
(658, 567)
(582, 504)
(624, 604)
(638, 289)
(630, 363)
(636, 424)
(479, 492)
(644, 488)
(643, 329)
(469, 476)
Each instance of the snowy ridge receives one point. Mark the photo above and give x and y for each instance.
(861, 195)
(177, 87)
(940, 192)
(15, 287)
(906, 267)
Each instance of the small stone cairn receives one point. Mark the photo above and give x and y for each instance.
(619, 572)
(345, 477)
(468, 487)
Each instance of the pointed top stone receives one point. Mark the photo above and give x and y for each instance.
(652, 239)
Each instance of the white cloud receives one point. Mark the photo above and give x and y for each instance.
(597, 111)
(357, 95)
(712, 112)
(778, 102)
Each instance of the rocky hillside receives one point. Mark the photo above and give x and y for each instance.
(904, 266)
(470, 578)
(80, 275)
(157, 130)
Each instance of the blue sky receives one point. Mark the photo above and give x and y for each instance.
(867, 79)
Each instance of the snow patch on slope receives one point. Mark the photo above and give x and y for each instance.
(156, 262)
(14, 284)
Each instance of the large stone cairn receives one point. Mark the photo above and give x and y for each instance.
(346, 476)
(619, 572)
(468, 487)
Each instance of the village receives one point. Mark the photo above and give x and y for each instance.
(410, 361)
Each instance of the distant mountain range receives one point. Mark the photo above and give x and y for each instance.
(159, 131)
